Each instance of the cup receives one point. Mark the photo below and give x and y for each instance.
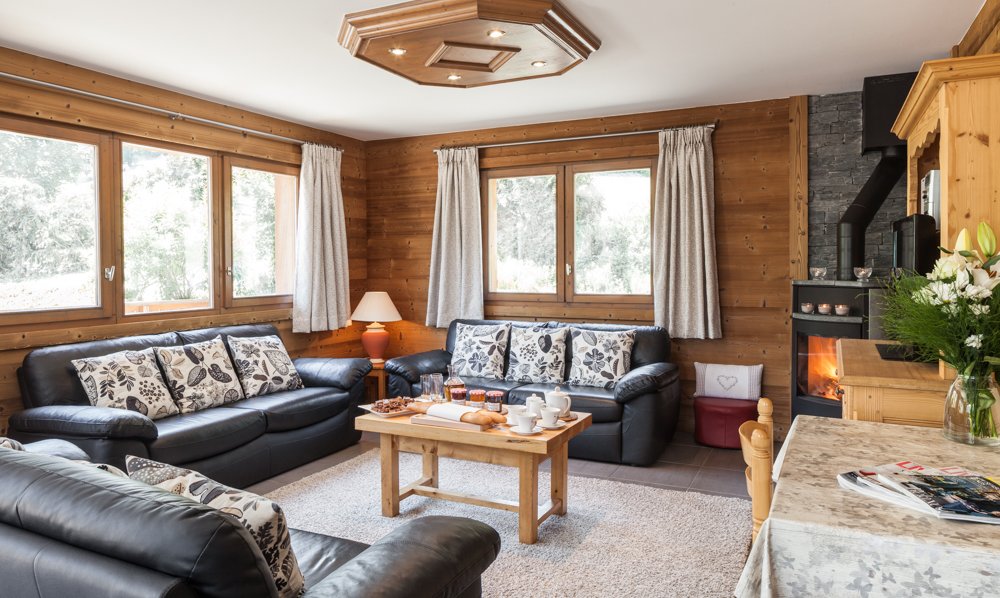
(512, 412)
(817, 273)
(525, 422)
(863, 273)
(535, 404)
(425, 387)
(435, 389)
(550, 415)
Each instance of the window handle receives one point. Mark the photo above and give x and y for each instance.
(229, 271)
(569, 269)
(109, 273)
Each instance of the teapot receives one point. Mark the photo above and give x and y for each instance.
(534, 404)
(559, 400)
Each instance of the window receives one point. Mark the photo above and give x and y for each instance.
(166, 229)
(50, 206)
(261, 199)
(569, 233)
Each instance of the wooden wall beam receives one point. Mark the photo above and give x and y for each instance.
(983, 36)
(798, 186)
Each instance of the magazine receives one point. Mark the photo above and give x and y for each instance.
(947, 493)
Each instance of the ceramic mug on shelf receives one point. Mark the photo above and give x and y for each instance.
(525, 422)
(535, 404)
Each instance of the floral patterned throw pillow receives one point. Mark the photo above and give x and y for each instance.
(200, 375)
(479, 350)
(263, 365)
(10, 443)
(600, 358)
(537, 355)
(263, 518)
(126, 380)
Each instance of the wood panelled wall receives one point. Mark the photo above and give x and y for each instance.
(34, 102)
(983, 36)
(759, 203)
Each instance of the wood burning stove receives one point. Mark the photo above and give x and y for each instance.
(815, 388)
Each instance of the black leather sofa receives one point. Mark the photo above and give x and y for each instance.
(632, 423)
(68, 529)
(239, 444)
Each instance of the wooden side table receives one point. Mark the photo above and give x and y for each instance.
(378, 372)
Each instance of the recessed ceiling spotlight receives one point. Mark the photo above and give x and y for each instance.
(496, 33)
(454, 77)
(538, 63)
(397, 51)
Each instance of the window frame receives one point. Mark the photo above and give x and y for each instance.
(570, 239)
(215, 232)
(228, 162)
(565, 231)
(105, 226)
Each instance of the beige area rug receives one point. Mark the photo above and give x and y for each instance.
(618, 539)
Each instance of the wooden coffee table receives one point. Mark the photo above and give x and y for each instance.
(497, 445)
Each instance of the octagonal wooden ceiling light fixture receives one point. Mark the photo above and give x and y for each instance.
(469, 43)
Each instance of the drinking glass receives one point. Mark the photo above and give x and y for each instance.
(436, 388)
(818, 272)
(425, 387)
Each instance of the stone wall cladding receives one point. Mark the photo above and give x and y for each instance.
(837, 171)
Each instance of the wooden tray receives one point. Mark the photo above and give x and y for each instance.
(430, 420)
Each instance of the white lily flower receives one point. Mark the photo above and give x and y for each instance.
(974, 341)
(982, 278)
(947, 267)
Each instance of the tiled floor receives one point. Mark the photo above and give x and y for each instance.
(685, 465)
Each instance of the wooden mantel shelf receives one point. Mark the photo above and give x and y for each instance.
(899, 392)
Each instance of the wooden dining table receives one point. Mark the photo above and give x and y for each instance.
(823, 540)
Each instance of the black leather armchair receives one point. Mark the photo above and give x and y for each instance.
(632, 422)
(238, 444)
(67, 529)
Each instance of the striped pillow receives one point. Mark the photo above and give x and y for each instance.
(728, 381)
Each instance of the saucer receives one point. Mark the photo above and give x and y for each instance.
(556, 426)
(537, 430)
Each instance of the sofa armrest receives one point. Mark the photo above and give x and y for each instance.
(411, 367)
(334, 372)
(84, 421)
(646, 379)
(430, 556)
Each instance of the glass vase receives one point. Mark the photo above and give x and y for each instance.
(972, 410)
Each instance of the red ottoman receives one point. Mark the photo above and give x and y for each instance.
(717, 421)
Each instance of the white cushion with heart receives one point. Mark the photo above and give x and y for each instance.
(728, 381)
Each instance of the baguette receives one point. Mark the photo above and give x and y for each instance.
(481, 417)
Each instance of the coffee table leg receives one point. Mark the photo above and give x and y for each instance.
(389, 451)
(527, 510)
(431, 467)
(560, 477)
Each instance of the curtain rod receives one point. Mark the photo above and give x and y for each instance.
(712, 124)
(168, 113)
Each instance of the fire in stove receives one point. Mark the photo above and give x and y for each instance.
(822, 377)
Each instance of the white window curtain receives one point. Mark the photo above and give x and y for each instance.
(322, 285)
(685, 279)
(456, 275)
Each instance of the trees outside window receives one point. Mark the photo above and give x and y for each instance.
(569, 233)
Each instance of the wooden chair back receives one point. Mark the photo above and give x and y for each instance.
(757, 442)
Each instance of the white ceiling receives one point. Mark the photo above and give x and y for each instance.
(283, 59)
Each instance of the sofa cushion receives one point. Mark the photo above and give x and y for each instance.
(57, 447)
(192, 436)
(126, 380)
(263, 365)
(49, 378)
(537, 355)
(600, 358)
(480, 351)
(320, 555)
(599, 402)
(293, 409)
(200, 375)
(263, 518)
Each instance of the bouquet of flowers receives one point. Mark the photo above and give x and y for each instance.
(953, 314)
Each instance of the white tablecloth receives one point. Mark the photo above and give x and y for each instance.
(823, 540)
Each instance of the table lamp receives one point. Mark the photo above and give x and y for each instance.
(375, 307)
